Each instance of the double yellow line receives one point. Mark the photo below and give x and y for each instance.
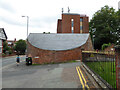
(82, 79)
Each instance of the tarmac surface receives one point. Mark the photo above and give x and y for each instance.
(62, 75)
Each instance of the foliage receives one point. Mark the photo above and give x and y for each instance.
(118, 26)
(20, 46)
(105, 46)
(5, 47)
(106, 70)
(105, 23)
(10, 51)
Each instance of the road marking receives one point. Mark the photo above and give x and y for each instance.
(81, 77)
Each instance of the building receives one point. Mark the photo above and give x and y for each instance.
(73, 23)
(3, 37)
(11, 44)
(110, 48)
(71, 38)
(49, 48)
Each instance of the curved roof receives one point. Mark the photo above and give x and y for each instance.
(57, 41)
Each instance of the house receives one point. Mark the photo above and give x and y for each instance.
(3, 37)
(11, 44)
(110, 48)
(67, 44)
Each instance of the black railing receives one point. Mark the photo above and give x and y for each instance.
(102, 63)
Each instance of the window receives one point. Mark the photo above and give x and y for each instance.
(81, 19)
(81, 25)
(72, 25)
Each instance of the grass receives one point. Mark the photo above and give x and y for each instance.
(106, 70)
(71, 61)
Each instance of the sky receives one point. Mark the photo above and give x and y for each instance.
(43, 14)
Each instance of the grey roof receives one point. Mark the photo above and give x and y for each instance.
(57, 41)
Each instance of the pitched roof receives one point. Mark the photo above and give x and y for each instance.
(57, 41)
(2, 31)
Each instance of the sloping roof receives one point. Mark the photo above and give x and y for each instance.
(57, 41)
(3, 34)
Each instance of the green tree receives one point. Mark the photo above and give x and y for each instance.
(5, 47)
(20, 46)
(118, 26)
(105, 23)
(105, 46)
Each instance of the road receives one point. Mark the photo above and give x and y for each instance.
(62, 75)
(7, 61)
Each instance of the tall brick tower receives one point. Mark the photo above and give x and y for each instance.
(73, 23)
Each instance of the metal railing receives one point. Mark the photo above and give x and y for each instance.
(102, 63)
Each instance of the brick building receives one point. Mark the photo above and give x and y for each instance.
(72, 36)
(48, 48)
(73, 23)
(11, 44)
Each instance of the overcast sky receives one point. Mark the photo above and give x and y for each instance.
(43, 14)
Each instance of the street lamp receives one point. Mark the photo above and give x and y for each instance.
(27, 23)
(93, 31)
(27, 30)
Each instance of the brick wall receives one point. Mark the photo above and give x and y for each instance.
(49, 56)
(64, 25)
(59, 26)
(85, 25)
(117, 62)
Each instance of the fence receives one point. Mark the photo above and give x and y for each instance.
(102, 63)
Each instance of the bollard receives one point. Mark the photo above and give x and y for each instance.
(117, 63)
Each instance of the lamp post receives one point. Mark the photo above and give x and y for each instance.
(27, 30)
(93, 31)
(27, 23)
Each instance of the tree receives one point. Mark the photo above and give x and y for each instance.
(5, 47)
(20, 46)
(118, 27)
(105, 23)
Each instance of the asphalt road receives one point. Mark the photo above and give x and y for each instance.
(41, 76)
(63, 75)
(7, 61)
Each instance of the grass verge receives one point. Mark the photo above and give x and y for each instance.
(106, 70)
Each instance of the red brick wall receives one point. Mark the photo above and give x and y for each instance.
(85, 25)
(59, 26)
(117, 62)
(49, 56)
(88, 46)
(66, 23)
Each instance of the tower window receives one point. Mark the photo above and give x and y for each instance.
(81, 25)
(72, 25)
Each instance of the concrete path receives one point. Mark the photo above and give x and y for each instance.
(64, 75)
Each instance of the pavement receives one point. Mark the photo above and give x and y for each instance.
(62, 75)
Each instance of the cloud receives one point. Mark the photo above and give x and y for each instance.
(43, 21)
(7, 7)
(11, 21)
